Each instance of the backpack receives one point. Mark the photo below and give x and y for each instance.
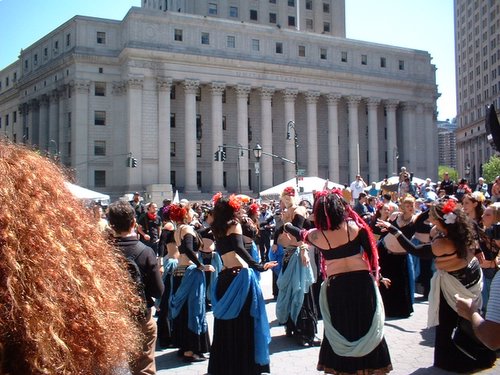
(138, 280)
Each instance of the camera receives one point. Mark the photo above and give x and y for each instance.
(493, 232)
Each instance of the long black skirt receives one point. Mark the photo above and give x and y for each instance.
(163, 323)
(446, 355)
(182, 337)
(352, 303)
(397, 299)
(233, 344)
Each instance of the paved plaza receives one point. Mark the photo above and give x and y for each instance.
(410, 344)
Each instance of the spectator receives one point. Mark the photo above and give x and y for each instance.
(447, 184)
(149, 227)
(122, 220)
(357, 186)
(495, 190)
(65, 294)
(462, 189)
(374, 192)
(482, 186)
(137, 205)
(266, 227)
(361, 209)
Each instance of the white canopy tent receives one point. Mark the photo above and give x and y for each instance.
(306, 185)
(86, 194)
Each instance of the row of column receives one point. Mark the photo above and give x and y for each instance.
(311, 97)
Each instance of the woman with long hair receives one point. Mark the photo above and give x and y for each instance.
(458, 272)
(295, 307)
(66, 297)
(187, 303)
(351, 306)
(396, 264)
(241, 329)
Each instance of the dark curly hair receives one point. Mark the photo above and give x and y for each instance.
(461, 232)
(224, 215)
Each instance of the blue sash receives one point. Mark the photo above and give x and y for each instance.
(216, 263)
(229, 307)
(293, 283)
(192, 290)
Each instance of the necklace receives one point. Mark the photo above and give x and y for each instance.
(402, 222)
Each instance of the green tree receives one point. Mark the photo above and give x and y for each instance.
(491, 169)
(451, 171)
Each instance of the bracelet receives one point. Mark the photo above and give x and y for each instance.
(398, 233)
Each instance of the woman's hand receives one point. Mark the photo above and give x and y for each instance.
(269, 265)
(466, 307)
(384, 225)
(274, 248)
(385, 282)
(304, 255)
(207, 268)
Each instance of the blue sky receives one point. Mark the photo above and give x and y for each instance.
(424, 24)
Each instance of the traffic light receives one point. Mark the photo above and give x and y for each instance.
(216, 156)
(134, 163)
(222, 155)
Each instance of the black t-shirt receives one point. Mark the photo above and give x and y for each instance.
(150, 226)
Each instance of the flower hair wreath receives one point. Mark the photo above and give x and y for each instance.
(449, 216)
(289, 191)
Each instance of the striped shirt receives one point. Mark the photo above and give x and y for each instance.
(493, 311)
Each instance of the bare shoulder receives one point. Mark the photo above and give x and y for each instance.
(300, 210)
(234, 229)
(312, 235)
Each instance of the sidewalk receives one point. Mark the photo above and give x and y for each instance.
(410, 345)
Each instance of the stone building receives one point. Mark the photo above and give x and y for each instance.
(176, 79)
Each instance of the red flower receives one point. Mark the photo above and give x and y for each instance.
(449, 206)
(234, 202)
(253, 209)
(290, 191)
(216, 197)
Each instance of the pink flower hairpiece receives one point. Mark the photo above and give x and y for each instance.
(289, 191)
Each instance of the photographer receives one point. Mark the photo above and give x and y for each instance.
(487, 330)
(489, 241)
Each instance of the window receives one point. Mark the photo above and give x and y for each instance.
(101, 37)
(172, 148)
(68, 40)
(279, 47)
(322, 53)
(56, 45)
(302, 51)
(100, 178)
(224, 96)
(69, 120)
(26, 64)
(309, 4)
(233, 12)
(101, 70)
(172, 120)
(178, 35)
(326, 7)
(272, 1)
(205, 38)
(35, 59)
(326, 27)
(6, 81)
(45, 52)
(100, 148)
(199, 125)
(253, 15)
(401, 65)
(198, 94)
(198, 179)
(255, 45)
(291, 21)
(364, 59)
(7, 120)
(231, 41)
(172, 92)
(309, 24)
(14, 117)
(272, 17)
(223, 122)
(100, 89)
(172, 178)
(0, 122)
(382, 62)
(100, 118)
(198, 149)
(343, 56)
(291, 3)
(212, 9)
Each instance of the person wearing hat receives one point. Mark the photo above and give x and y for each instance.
(137, 205)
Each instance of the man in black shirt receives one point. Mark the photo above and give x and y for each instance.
(447, 184)
(150, 228)
(122, 221)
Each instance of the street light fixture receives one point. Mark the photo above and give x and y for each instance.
(289, 126)
(257, 152)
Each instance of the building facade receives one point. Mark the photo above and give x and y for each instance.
(170, 87)
(477, 42)
(447, 145)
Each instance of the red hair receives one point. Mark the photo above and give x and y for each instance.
(178, 213)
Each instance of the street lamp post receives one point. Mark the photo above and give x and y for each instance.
(291, 125)
(257, 152)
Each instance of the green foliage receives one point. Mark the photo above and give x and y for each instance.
(491, 169)
(451, 171)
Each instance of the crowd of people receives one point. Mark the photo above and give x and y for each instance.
(80, 288)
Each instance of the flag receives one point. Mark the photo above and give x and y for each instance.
(176, 197)
(492, 127)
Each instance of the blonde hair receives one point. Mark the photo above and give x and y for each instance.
(65, 295)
